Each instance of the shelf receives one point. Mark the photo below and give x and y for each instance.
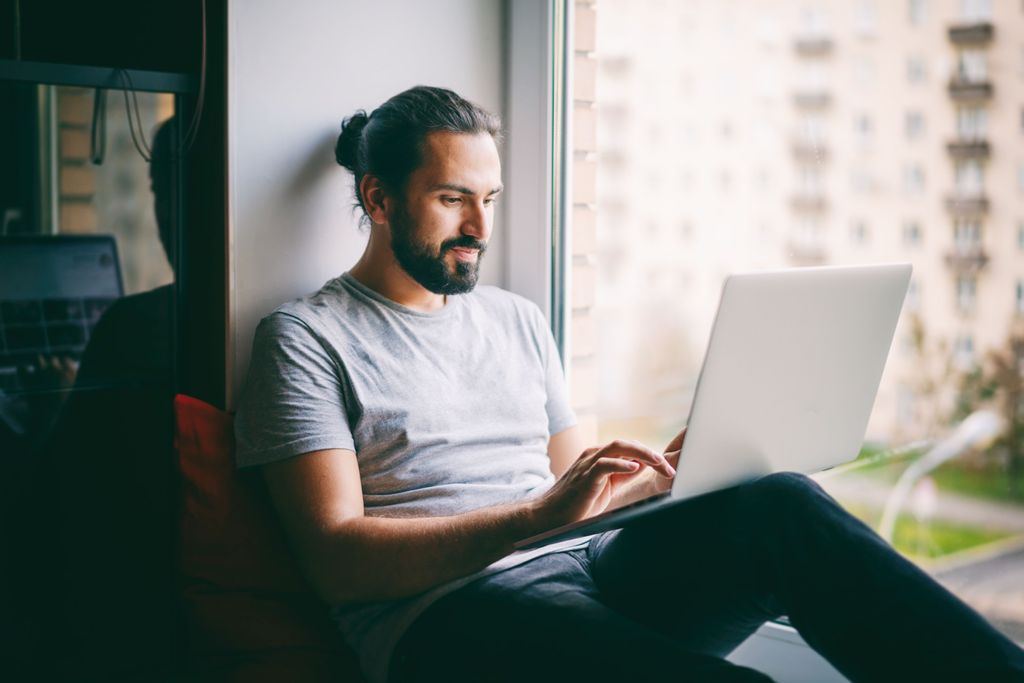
(97, 77)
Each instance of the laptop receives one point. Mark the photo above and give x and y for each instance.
(789, 378)
(53, 291)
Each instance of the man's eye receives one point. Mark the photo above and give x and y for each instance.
(490, 200)
(451, 201)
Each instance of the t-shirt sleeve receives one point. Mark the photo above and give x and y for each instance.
(560, 413)
(294, 398)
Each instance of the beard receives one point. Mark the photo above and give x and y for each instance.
(428, 268)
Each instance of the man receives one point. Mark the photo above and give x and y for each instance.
(412, 427)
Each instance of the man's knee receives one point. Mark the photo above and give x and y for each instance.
(785, 492)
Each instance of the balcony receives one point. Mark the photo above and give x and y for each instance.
(811, 202)
(804, 253)
(810, 45)
(811, 97)
(963, 90)
(966, 260)
(973, 34)
(813, 151)
(967, 206)
(968, 149)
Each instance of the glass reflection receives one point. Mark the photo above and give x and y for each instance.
(87, 330)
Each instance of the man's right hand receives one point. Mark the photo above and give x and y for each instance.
(593, 480)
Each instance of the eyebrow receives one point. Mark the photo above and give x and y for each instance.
(462, 189)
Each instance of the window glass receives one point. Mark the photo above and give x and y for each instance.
(827, 162)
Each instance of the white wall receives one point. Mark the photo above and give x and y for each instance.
(294, 71)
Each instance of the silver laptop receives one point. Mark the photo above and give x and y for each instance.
(788, 382)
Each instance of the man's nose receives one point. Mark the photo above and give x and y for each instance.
(477, 222)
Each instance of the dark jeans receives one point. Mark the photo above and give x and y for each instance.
(667, 598)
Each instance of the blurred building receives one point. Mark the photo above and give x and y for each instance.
(734, 135)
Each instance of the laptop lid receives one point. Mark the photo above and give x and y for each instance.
(792, 367)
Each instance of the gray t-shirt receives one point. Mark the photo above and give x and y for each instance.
(447, 411)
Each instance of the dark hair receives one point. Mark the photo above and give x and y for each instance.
(389, 142)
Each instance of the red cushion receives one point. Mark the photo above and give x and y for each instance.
(247, 606)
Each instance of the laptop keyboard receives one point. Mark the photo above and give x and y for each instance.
(30, 328)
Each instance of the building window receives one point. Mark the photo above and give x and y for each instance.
(1020, 235)
(974, 11)
(913, 125)
(966, 289)
(963, 352)
(911, 234)
(971, 123)
(913, 302)
(865, 19)
(863, 128)
(917, 11)
(967, 236)
(913, 179)
(813, 22)
(810, 181)
(1020, 297)
(864, 72)
(917, 69)
(811, 130)
(970, 180)
(859, 233)
(1020, 177)
(972, 66)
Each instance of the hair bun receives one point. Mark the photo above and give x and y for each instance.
(346, 151)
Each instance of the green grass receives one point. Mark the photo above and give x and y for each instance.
(928, 540)
(989, 482)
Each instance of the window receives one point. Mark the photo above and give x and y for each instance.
(1020, 297)
(969, 178)
(644, 385)
(966, 288)
(913, 179)
(913, 125)
(1020, 235)
(864, 75)
(808, 233)
(813, 21)
(917, 69)
(963, 352)
(967, 236)
(1020, 177)
(975, 10)
(911, 234)
(811, 129)
(913, 301)
(863, 128)
(866, 18)
(810, 182)
(972, 66)
(917, 11)
(859, 232)
(813, 76)
(971, 123)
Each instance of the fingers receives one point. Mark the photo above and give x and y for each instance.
(632, 451)
(613, 466)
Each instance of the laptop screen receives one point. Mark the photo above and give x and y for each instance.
(53, 291)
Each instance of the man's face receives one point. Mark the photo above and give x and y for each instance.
(440, 232)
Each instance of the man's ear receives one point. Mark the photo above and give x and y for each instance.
(375, 199)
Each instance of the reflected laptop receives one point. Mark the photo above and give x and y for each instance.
(53, 291)
(789, 378)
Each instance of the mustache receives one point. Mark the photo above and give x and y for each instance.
(463, 242)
